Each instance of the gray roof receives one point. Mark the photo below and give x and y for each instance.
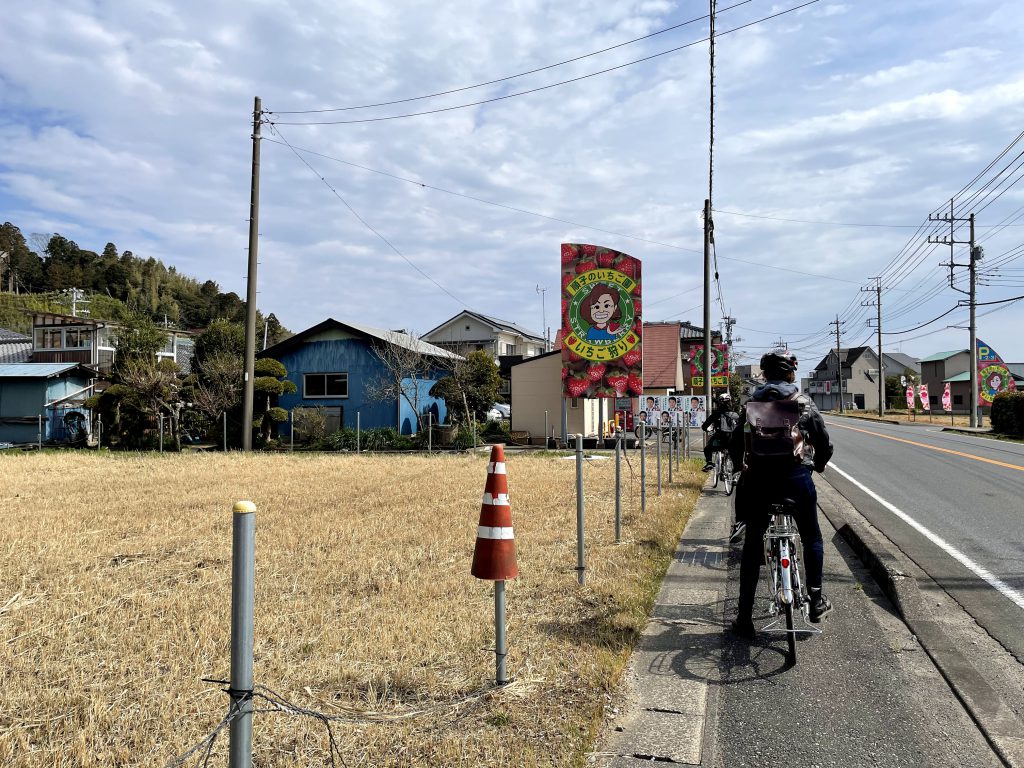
(494, 321)
(34, 370)
(405, 341)
(903, 359)
(8, 335)
(15, 351)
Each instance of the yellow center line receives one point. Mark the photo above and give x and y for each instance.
(930, 447)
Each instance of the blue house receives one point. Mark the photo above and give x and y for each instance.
(44, 394)
(340, 367)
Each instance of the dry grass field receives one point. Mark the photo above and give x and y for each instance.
(115, 602)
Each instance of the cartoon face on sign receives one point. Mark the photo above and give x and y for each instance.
(601, 310)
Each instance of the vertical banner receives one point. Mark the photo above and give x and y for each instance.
(910, 397)
(922, 392)
(947, 399)
(602, 352)
(993, 375)
(719, 365)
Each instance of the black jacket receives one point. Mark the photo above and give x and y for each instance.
(817, 445)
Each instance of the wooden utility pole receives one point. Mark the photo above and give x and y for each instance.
(877, 289)
(707, 304)
(250, 289)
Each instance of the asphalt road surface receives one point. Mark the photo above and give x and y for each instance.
(953, 503)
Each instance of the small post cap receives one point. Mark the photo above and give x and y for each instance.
(244, 507)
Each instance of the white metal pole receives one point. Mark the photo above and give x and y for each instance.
(580, 565)
(243, 575)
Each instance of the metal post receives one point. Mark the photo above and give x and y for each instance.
(99, 431)
(657, 434)
(430, 434)
(39, 434)
(580, 566)
(161, 417)
(643, 471)
(243, 575)
(686, 437)
(671, 443)
(547, 430)
(248, 379)
(618, 488)
(500, 645)
(565, 424)
(472, 421)
(357, 431)
(291, 430)
(225, 431)
(974, 333)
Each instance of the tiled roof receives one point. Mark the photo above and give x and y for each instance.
(398, 338)
(15, 351)
(8, 335)
(492, 321)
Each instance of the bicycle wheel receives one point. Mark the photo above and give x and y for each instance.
(730, 479)
(790, 635)
(641, 431)
(717, 471)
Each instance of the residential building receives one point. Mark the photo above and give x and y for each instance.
(860, 375)
(335, 366)
(954, 367)
(507, 342)
(44, 402)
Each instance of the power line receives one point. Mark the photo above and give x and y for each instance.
(543, 87)
(508, 77)
(363, 221)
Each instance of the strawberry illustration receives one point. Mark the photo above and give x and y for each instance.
(588, 250)
(566, 279)
(568, 253)
(634, 357)
(628, 266)
(636, 384)
(585, 266)
(606, 258)
(568, 354)
(619, 383)
(577, 387)
(565, 373)
(596, 371)
(637, 307)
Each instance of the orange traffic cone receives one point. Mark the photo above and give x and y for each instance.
(494, 557)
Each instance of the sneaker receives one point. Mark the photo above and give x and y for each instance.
(820, 605)
(738, 529)
(743, 629)
(707, 467)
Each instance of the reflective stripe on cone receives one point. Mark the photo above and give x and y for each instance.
(494, 557)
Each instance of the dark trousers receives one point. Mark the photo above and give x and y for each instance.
(760, 491)
(718, 442)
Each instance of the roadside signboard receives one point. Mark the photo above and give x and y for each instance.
(947, 399)
(719, 365)
(922, 392)
(910, 397)
(993, 375)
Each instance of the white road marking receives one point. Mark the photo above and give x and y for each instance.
(996, 583)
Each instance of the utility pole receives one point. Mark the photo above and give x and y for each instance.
(544, 317)
(878, 322)
(707, 302)
(839, 360)
(975, 254)
(250, 289)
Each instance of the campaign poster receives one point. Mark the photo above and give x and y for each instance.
(993, 375)
(719, 365)
(910, 397)
(666, 410)
(947, 399)
(602, 328)
(922, 393)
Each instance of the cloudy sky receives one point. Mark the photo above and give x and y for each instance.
(130, 122)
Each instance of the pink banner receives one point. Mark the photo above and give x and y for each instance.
(922, 392)
(910, 397)
(947, 399)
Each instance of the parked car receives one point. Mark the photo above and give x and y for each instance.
(499, 412)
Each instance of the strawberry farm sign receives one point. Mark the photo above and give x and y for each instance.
(601, 325)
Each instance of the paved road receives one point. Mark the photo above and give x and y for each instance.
(968, 491)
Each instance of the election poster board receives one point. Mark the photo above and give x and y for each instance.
(922, 393)
(602, 328)
(993, 375)
(671, 410)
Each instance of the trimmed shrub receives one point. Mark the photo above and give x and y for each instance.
(1008, 413)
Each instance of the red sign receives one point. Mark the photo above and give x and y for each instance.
(947, 399)
(910, 397)
(602, 354)
(922, 392)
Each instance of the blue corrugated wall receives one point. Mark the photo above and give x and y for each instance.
(354, 357)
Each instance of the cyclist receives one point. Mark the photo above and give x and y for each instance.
(769, 480)
(724, 419)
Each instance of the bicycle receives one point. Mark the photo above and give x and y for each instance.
(789, 596)
(724, 471)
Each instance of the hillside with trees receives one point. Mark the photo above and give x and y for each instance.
(54, 274)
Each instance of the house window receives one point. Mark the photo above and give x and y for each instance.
(958, 399)
(47, 338)
(510, 349)
(325, 385)
(933, 399)
(77, 338)
(574, 402)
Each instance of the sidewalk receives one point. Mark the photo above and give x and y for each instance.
(862, 693)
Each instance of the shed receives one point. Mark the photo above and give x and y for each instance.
(52, 392)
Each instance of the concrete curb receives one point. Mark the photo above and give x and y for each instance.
(1001, 727)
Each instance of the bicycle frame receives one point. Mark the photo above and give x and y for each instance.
(784, 578)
